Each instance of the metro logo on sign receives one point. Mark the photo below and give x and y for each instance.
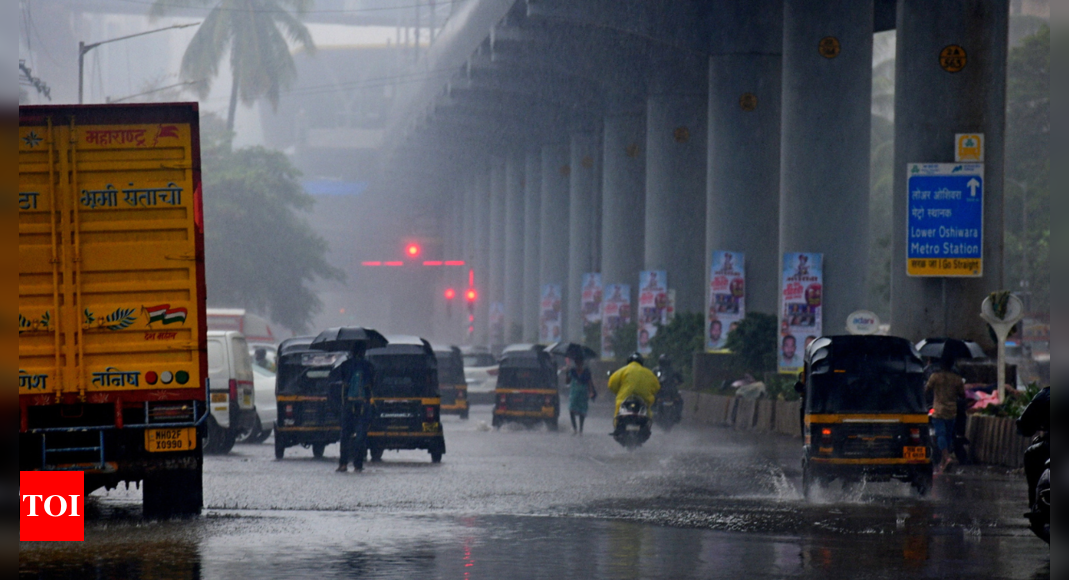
(52, 506)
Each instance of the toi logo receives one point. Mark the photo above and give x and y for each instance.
(52, 506)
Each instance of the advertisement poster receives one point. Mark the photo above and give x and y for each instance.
(591, 299)
(549, 322)
(652, 306)
(615, 312)
(801, 308)
(497, 323)
(727, 298)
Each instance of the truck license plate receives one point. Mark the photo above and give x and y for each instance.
(162, 440)
(916, 453)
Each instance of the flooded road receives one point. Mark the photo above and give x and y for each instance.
(694, 503)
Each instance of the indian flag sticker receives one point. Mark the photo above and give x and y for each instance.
(165, 314)
(166, 377)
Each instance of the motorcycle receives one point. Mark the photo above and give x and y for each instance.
(1039, 517)
(632, 423)
(668, 407)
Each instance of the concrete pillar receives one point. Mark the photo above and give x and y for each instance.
(623, 200)
(532, 215)
(584, 153)
(481, 252)
(931, 106)
(498, 199)
(675, 176)
(514, 237)
(745, 68)
(824, 161)
(554, 226)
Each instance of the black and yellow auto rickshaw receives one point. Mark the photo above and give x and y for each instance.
(527, 388)
(865, 416)
(312, 386)
(306, 387)
(406, 402)
(452, 386)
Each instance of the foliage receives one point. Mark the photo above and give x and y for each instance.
(261, 253)
(624, 340)
(592, 336)
(1027, 196)
(1016, 402)
(256, 34)
(754, 343)
(680, 339)
(781, 387)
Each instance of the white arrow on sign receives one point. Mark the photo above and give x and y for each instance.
(972, 185)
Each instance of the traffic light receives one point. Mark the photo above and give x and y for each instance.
(471, 295)
(412, 251)
(450, 294)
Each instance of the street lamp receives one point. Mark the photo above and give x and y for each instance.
(83, 48)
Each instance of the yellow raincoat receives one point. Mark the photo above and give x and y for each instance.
(634, 379)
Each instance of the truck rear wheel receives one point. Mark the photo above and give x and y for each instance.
(173, 494)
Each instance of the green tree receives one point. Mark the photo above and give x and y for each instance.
(257, 34)
(680, 339)
(1028, 167)
(754, 343)
(260, 253)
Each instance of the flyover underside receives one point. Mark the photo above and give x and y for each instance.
(614, 136)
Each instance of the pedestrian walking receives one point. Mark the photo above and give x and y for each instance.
(945, 387)
(580, 392)
(356, 413)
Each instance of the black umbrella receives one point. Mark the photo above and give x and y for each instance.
(950, 348)
(348, 338)
(572, 350)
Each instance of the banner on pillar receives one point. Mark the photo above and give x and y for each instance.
(801, 308)
(727, 298)
(591, 299)
(615, 312)
(497, 323)
(549, 322)
(652, 306)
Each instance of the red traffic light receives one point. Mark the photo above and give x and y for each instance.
(413, 250)
(471, 295)
(450, 294)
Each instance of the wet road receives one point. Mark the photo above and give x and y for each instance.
(695, 503)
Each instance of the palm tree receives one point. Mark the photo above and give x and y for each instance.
(257, 33)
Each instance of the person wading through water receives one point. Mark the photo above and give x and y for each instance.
(581, 391)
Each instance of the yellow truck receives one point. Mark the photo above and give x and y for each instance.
(112, 328)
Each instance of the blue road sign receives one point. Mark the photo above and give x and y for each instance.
(945, 223)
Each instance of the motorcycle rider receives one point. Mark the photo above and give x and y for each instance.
(669, 377)
(1035, 422)
(634, 379)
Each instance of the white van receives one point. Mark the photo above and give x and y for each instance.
(233, 397)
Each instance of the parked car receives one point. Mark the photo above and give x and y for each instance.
(480, 372)
(266, 409)
(232, 387)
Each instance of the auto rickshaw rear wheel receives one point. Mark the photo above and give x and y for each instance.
(376, 454)
(280, 446)
(552, 424)
(922, 484)
(318, 449)
(436, 456)
(809, 481)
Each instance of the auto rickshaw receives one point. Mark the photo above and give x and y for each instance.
(527, 388)
(406, 401)
(452, 385)
(312, 377)
(306, 391)
(864, 413)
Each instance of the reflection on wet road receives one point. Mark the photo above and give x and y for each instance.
(696, 503)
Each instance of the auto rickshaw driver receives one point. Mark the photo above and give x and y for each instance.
(356, 411)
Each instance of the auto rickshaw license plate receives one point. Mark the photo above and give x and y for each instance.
(162, 440)
(915, 453)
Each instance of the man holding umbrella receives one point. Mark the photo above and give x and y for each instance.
(945, 387)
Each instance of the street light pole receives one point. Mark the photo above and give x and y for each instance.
(84, 48)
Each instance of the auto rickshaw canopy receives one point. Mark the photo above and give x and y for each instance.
(863, 375)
